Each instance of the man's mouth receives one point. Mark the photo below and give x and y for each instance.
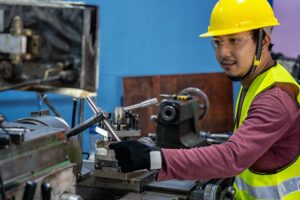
(228, 63)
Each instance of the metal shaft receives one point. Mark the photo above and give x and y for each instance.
(111, 130)
(92, 105)
(142, 104)
(105, 121)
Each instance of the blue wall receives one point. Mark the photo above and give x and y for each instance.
(137, 37)
(151, 37)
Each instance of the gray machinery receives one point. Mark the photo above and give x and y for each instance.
(34, 160)
(49, 46)
(45, 46)
(177, 129)
(52, 46)
(291, 64)
(178, 117)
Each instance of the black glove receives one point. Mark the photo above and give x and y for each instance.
(133, 155)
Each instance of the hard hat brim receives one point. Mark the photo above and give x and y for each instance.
(232, 31)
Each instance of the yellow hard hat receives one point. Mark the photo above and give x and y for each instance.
(234, 16)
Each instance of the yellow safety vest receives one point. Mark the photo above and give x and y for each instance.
(285, 183)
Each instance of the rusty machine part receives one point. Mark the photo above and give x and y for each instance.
(49, 46)
(45, 46)
(72, 146)
(37, 153)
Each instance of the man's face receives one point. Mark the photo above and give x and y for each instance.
(235, 53)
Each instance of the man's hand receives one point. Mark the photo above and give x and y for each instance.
(133, 155)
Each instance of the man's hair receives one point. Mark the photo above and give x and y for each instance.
(255, 34)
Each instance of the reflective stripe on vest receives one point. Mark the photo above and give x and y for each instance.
(270, 192)
(285, 183)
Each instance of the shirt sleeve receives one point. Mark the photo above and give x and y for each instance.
(269, 118)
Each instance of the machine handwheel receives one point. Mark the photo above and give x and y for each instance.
(203, 108)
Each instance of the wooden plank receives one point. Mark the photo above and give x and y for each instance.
(217, 87)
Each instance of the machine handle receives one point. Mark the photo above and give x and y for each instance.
(29, 190)
(46, 191)
(203, 107)
(142, 104)
(97, 111)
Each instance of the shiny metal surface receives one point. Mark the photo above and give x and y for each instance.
(105, 121)
(142, 104)
(12, 44)
(111, 130)
(119, 115)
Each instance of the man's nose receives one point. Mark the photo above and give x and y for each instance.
(225, 50)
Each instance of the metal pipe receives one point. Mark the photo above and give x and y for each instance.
(92, 105)
(142, 104)
(111, 130)
(105, 121)
(74, 110)
(84, 125)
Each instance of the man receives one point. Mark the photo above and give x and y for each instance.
(263, 153)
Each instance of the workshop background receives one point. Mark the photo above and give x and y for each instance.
(157, 37)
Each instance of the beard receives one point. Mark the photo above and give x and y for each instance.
(234, 78)
(243, 77)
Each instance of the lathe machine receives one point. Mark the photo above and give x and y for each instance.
(52, 46)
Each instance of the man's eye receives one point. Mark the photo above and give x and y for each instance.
(235, 40)
(217, 42)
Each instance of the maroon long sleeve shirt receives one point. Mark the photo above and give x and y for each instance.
(267, 140)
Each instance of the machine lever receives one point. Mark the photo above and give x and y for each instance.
(142, 104)
(2, 189)
(46, 191)
(104, 119)
(29, 190)
(86, 124)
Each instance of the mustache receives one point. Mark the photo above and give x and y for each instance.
(224, 59)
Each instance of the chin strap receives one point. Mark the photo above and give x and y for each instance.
(258, 51)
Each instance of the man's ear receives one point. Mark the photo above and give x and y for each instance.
(266, 42)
